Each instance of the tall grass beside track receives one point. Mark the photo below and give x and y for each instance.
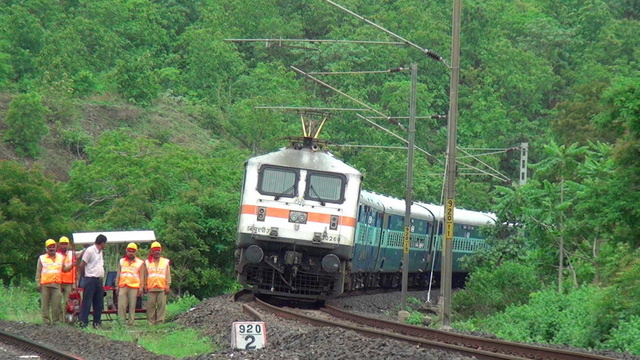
(22, 303)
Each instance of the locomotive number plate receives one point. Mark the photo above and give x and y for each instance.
(248, 335)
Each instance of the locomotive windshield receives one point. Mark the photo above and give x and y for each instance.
(278, 181)
(325, 187)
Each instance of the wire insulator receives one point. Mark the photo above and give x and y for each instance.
(434, 55)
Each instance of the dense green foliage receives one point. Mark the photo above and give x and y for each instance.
(32, 207)
(27, 124)
(159, 112)
(493, 290)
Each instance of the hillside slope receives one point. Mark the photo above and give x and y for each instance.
(82, 122)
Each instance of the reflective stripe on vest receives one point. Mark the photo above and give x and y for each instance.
(51, 269)
(157, 273)
(130, 273)
(68, 277)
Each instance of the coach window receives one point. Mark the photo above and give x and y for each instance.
(325, 187)
(278, 181)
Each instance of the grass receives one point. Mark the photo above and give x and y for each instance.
(21, 303)
(166, 339)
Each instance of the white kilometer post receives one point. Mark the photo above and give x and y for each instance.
(248, 335)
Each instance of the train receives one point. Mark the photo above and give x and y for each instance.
(306, 229)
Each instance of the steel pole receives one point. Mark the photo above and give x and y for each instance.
(450, 192)
(409, 187)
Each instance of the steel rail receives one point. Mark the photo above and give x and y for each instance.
(45, 352)
(373, 332)
(527, 351)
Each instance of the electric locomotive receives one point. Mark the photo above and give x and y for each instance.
(307, 231)
(297, 222)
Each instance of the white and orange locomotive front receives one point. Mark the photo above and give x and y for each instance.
(297, 222)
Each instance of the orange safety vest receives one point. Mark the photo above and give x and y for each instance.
(68, 277)
(51, 269)
(130, 273)
(157, 273)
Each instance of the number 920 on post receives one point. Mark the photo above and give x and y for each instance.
(248, 335)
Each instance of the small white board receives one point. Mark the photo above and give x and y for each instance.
(248, 335)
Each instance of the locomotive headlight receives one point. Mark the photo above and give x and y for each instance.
(333, 224)
(331, 263)
(298, 217)
(254, 254)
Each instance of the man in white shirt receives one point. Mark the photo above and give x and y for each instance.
(92, 268)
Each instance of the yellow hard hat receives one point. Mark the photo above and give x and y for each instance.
(64, 240)
(49, 243)
(132, 246)
(156, 244)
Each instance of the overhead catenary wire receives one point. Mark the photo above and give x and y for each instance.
(468, 166)
(430, 53)
(346, 95)
(388, 71)
(483, 154)
(406, 117)
(399, 137)
(371, 146)
(310, 109)
(501, 176)
(319, 41)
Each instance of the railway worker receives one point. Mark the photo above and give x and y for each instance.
(49, 272)
(92, 267)
(68, 279)
(129, 280)
(157, 285)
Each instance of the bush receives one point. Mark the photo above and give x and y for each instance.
(550, 317)
(490, 290)
(626, 337)
(27, 124)
(136, 79)
(415, 318)
(76, 140)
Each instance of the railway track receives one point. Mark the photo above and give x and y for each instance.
(28, 348)
(467, 345)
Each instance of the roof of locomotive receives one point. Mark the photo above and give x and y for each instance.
(425, 210)
(305, 158)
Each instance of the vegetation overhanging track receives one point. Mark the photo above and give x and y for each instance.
(500, 346)
(28, 345)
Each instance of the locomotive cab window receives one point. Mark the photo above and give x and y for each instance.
(325, 187)
(278, 181)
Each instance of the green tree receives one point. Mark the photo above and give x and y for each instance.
(27, 124)
(190, 198)
(136, 79)
(32, 210)
(25, 35)
(560, 166)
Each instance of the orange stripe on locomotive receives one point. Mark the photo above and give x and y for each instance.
(311, 216)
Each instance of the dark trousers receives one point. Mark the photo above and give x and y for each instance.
(93, 294)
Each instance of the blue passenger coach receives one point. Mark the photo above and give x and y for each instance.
(378, 247)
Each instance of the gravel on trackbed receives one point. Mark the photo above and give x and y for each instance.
(285, 339)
